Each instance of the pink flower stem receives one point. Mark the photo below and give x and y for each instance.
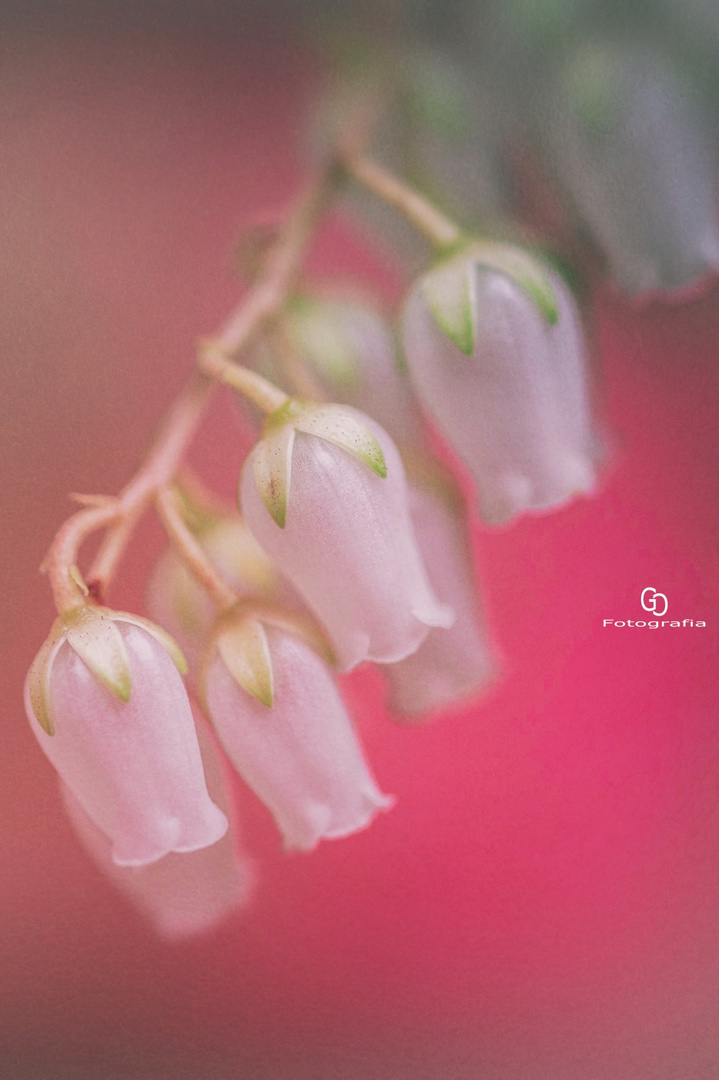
(261, 304)
(68, 588)
(191, 551)
(438, 229)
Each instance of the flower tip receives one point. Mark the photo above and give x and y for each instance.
(439, 616)
(272, 465)
(376, 802)
(550, 310)
(447, 293)
(127, 852)
(122, 688)
(318, 822)
(245, 652)
(37, 705)
(379, 465)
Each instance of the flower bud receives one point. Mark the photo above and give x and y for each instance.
(277, 711)
(454, 664)
(106, 702)
(181, 895)
(324, 492)
(495, 350)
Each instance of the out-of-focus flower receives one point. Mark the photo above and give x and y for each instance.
(496, 352)
(107, 704)
(181, 895)
(352, 353)
(178, 602)
(627, 147)
(325, 494)
(275, 706)
(454, 664)
(448, 133)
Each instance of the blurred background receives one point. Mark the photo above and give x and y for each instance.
(543, 901)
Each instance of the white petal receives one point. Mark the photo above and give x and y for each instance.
(516, 411)
(134, 766)
(181, 895)
(642, 179)
(301, 757)
(348, 548)
(450, 664)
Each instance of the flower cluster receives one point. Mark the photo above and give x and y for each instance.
(351, 544)
(581, 120)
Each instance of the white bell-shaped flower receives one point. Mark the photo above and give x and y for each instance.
(325, 494)
(181, 895)
(496, 352)
(630, 151)
(275, 706)
(455, 664)
(108, 706)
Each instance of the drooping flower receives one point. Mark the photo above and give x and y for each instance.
(454, 664)
(181, 894)
(107, 704)
(495, 349)
(629, 150)
(276, 709)
(325, 494)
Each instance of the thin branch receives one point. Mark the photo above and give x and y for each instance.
(261, 392)
(61, 559)
(260, 305)
(191, 551)
(438, 229)
(163, 461)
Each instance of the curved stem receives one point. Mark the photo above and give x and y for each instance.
(163, 461)
(283, 262)
(261, 392)
(68, 589)
(438, 229)
(191, 551)
(260, 305)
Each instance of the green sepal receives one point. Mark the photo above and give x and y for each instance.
(523, 268)
(272, 456)
(446, 290)
(39, 677)
(242, 644)
(93, 635)
(341, 426)
(272, 465)
(300, 624)
(160, 635)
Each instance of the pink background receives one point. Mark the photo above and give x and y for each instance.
(543, 902)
